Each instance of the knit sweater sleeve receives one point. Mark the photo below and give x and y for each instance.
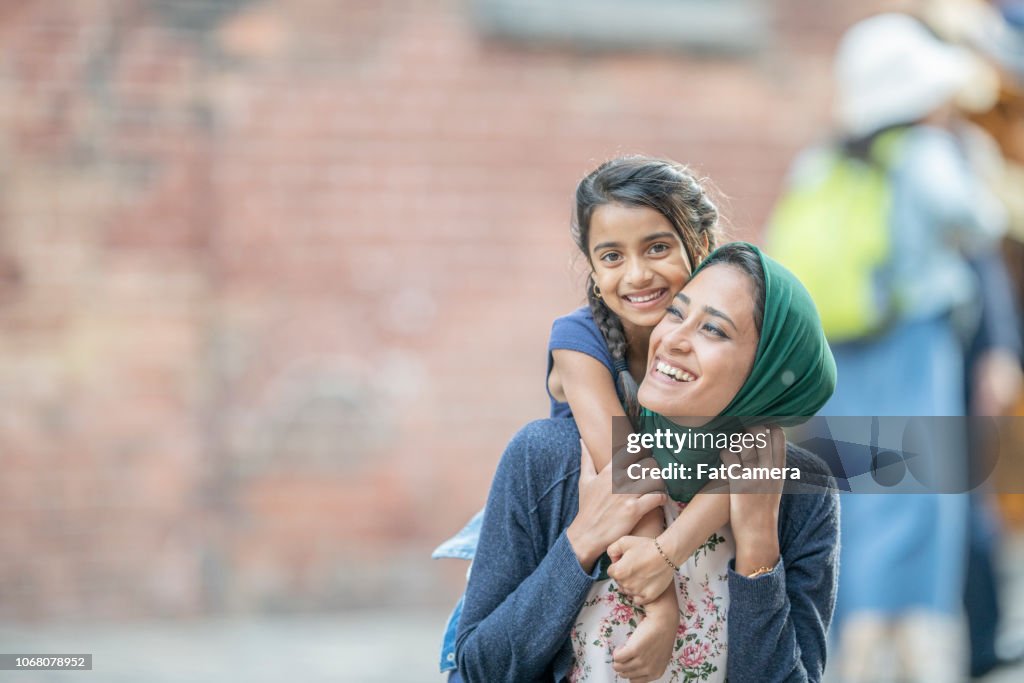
(526, 586)
(778, 622)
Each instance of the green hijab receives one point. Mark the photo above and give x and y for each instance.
(793, 375)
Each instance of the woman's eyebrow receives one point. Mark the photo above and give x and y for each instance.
(711, 310)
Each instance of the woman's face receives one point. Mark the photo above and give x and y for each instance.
(639, 262)
(702, 351)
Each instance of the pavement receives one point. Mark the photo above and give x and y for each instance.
(380, 646)
(384, 645)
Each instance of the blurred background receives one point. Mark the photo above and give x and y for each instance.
(276, 280)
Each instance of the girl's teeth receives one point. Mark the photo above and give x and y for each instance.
(644, 299)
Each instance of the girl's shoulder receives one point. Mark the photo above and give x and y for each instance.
(577, 331)
(581, 316)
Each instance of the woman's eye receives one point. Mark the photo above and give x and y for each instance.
(659, 248)
(715, 330)
(611, 257)
(674, 312)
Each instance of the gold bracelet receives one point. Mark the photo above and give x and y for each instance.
(761, 571)
(662, 552)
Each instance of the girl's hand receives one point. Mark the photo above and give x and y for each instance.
(647, 653)
(639, 569)
(754, 503)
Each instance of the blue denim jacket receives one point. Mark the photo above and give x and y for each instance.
(461, 546)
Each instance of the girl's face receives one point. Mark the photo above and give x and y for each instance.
(702, 352)
(639, 262)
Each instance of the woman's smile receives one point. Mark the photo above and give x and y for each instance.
(661, 370)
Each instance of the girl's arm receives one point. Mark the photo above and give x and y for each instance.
(590, 392)
(642, 572)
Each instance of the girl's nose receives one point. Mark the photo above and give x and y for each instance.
(638, 274)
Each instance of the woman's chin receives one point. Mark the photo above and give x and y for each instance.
(655, 399)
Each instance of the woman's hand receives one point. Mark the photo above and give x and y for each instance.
(647, 653)
(754, 503)
(639, 569)
(603, 516)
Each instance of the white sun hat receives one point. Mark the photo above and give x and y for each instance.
(890, 69)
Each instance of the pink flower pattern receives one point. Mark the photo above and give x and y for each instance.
(608, 618)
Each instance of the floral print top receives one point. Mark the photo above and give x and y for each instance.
(608, 618)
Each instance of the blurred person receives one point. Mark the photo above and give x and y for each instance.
(992, 382)
(747, 335)
(898, 611)
(992, 369)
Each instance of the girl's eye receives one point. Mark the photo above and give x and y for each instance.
(611, 257)
(659, 248)
(674, 312)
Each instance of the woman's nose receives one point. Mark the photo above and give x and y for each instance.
(678, 339)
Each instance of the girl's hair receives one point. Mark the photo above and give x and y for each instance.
(670, 189)
(741, 256)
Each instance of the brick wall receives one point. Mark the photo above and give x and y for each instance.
(276, 278)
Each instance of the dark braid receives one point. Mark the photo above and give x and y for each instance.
(670, 189)
(615, 337)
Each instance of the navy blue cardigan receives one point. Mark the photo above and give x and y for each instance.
(527, 587)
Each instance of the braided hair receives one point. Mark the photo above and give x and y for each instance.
(638, 181)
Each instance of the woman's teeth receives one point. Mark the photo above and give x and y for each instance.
(674, 373)
(644, 299)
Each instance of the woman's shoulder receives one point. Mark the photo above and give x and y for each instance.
(547, 450)
(815, 475)
(810, 501)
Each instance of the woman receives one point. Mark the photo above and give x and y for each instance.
(548, 520)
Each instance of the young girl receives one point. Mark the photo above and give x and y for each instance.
(643, 225)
